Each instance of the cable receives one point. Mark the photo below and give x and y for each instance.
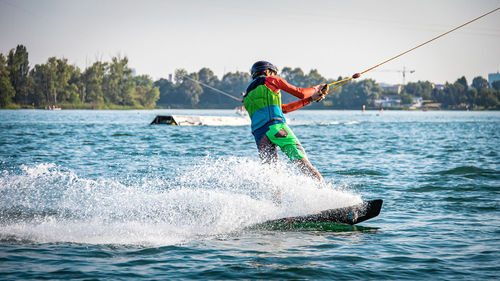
(405, 52)
(217, 90)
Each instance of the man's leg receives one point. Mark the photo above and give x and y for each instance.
(268, 153)
(283, 136)
(267, 150)
(297, 154)
(307, 168)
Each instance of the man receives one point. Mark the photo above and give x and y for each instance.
(263, 103)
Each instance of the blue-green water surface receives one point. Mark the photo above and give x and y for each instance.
(105, 195)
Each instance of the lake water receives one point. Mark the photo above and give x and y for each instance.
(105, 195)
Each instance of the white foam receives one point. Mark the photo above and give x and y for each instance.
(215, 196)
(330, 123)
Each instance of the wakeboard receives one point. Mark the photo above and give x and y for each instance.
(347, 215)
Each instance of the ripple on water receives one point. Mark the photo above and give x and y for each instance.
(472, 172)
(361, 172)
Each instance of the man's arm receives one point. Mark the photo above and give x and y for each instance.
(277, 83)
(289, 107)
(306, 95)
(317, 97)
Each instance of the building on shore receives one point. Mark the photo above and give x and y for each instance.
(418, 102)
(430, 105)
(395, 101)
(492, 77)
(438, 87)
(388, 101)
(391, 88)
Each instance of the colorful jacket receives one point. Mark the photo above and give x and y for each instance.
(263, 99)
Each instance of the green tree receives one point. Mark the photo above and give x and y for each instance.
(313, 78)
(166, 89)
(93, 78)
(173, 94)
(191, 90)
(18, 66)
(449, 94)
(43, 85)
(146, 93)
(77, 85)
(66, 87)
(455, 94)
(7, 92)
(235, 84)
(462, 81)
(186, 90)
(355, 94)
(472, 97)
(150, 97)
(118, 86)
(461, 91)
(406, 99)
(294, 76)
(496, 85)
(209, 96)
(488, 98)
(419, 89)
(480, 83)
(207, 76)
(179, 75)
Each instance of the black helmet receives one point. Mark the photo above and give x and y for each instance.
(262, 66)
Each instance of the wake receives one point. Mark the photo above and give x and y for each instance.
(46, 203)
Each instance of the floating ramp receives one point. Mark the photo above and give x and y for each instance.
(190, 120)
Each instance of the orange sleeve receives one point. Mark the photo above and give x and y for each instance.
(289, 107)
(276, 82)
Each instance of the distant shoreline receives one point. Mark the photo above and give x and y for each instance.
(113, 85)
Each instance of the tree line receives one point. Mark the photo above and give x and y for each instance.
(57, 83)
(112, 85)
(479, 95)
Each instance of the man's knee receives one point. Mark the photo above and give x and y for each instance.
(294, 151)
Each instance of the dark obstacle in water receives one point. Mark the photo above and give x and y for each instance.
(191, 120)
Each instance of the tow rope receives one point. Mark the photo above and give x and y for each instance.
(346, 80)
(357, 75)
(217, 90)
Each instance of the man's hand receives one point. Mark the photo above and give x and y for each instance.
(320, 95)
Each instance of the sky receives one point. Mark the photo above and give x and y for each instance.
(338, 38)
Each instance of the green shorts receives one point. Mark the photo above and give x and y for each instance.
(282, 136)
